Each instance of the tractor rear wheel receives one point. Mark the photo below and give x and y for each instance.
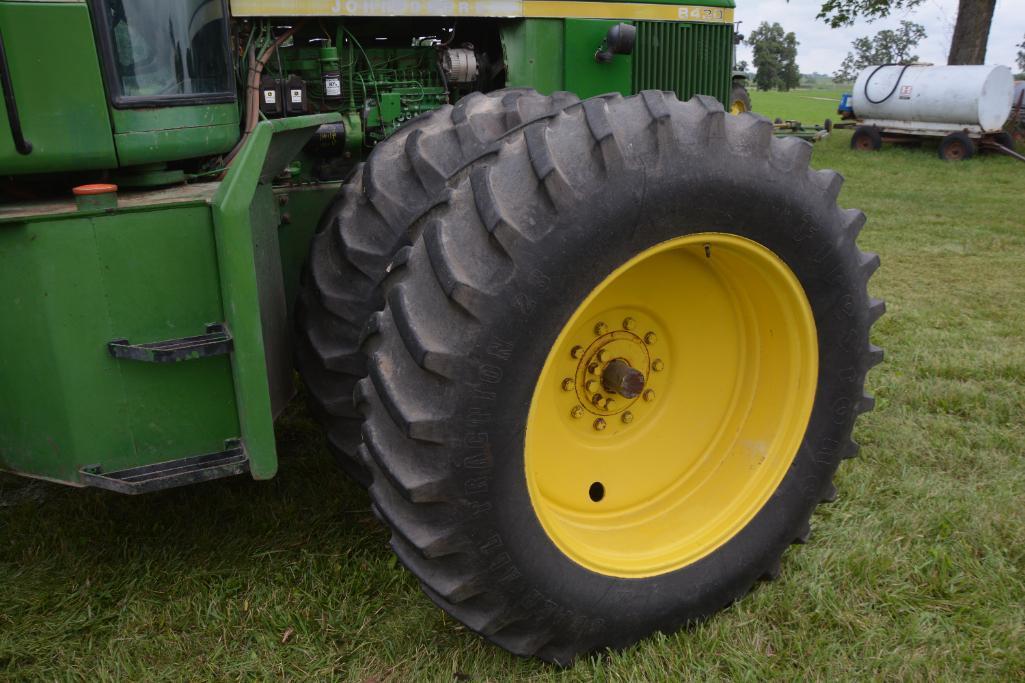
(366, 224)
(616, 371)
(740, 99)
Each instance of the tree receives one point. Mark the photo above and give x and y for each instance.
(885, 47)
(1021, 55)
(971, 31)
(742, 66)
(791, 72)
(839, 13)
(775, 57)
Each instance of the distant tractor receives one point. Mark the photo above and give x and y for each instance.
(595, 351)
(965, 107)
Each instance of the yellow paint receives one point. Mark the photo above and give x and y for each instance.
(714, 431)
(738, 107)
(481, 8)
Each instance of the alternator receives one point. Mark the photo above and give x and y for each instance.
(460, 65)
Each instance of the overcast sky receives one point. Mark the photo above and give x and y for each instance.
(822, 48)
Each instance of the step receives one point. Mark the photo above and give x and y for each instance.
(164, 475)
(216, 342)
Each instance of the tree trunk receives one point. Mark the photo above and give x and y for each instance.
(971, 33)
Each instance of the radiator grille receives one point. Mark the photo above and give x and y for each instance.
(689, 59)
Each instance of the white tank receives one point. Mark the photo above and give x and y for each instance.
(962, 96)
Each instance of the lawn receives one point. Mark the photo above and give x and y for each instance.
(809, 106)
(916, 572)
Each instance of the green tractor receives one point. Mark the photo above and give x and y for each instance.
(594, 346)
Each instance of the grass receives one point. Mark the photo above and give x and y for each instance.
(916, 572)
(809, 106)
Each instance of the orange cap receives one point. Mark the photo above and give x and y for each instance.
(95, 188)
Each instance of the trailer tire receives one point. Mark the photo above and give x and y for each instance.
(957, 146)
(476, 369)
(866, 139)
(366, 224)
(1004, 139)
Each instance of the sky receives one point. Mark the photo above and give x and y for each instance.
(822, 49)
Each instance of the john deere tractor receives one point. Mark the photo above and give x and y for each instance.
(594, 346)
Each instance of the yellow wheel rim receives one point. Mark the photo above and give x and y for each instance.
(720, 344)
(738, 107)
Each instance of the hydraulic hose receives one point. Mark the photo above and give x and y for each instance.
(895, 85)
(252, 98)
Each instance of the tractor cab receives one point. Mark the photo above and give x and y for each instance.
(126, 87)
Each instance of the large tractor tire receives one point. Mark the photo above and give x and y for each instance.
(367, 223)
(615, 372)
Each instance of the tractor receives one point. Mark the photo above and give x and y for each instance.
(594, 346)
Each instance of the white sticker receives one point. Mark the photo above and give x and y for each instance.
(332, 86)
(270, 97)
(297, 96)
(905, 92)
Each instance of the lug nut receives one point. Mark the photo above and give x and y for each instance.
(628, 417)
(567, 384)
(599, 424)
(610, 403)
(629, 323)
(577, 412)
(593, 368)
(658, 365)
(649, 394)
(600, 329)
(597, 399)
(650, 338)
(602, 356)
(577, 352)
(592, 386)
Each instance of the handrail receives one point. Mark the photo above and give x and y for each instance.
(20, 143)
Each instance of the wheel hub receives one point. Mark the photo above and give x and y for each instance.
(613, 371)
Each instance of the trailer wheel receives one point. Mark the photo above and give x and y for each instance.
(866, 139)
(366, 224)
(740, 99)
(616, 371)
(1004, 139)
(956, 147)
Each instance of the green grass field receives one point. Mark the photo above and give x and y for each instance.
(916, 572)
(810, 107)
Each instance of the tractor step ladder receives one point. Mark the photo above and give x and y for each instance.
(216, 342)
(164, 475)
(189, 470)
